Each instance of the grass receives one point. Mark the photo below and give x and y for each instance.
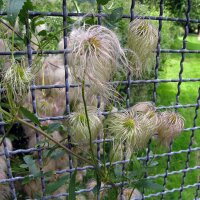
(166, 95)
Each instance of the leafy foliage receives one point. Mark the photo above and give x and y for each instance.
(1, 4)
(23, 14)
(30, 164)
(13, 9)
(29, 115)
(53, 186)
(115, 16)
(103, 2)
(72, 186)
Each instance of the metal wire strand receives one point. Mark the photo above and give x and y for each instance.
(128, 83)
(183, 48)
(39, 158)
(9, 168)
(167, 170)
(190, 145)
(67, 86)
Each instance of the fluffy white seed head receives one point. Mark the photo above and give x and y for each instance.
(144, 107)
(171, 125)
(142, 41)
(52, 71)
(96, 55)
(149, 110)
(79, 127)
(17, 79)
(50, 102)
(134, 128)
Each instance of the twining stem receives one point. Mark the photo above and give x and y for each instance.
(87, 119)
(131, 193)
(52, 139)
(13, 30)
(76, 6)
(5, 135)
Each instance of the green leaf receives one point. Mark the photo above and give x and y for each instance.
(4, 105)
(24, 166)
(134, 164)
(53, 186)
(13, 9)
(42, 33)
(49, 173)
(26, 180)
(116, 14)
(153, 164)
(72, 186)
(1, 4)
(53, 127)
(57, 154)
(113, 193)
(23, 14)
(39, 22)
(83, 1)
(36, 21)
(97, 187)
(118, 171)
(148, 184)
(103, 2)
(29, 115)
(31, 165)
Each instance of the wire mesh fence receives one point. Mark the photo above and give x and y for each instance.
(186, 174)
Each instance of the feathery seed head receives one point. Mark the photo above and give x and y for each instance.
(17, 79)
(134, 128)
(129, 124)
(144, 107)
(171, 125)
(142, 41)
(96, 55)
(78, 123)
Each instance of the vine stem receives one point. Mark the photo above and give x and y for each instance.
(53, 140)
(76, 6)
(13, 30)
(87, 119)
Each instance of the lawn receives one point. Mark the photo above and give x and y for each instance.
(166, 95)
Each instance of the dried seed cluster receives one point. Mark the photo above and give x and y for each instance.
(96, 56)
(171, 124)
(17, 79)
(142, 41)
(79, 127)
(138, 124)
